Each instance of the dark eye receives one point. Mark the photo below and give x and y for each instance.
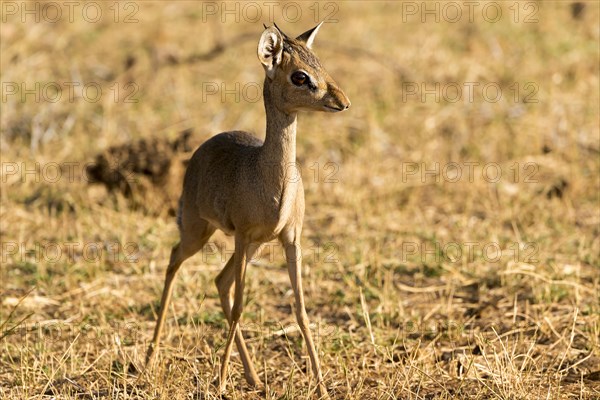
(299, 78)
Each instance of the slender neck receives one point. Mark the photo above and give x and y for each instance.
(279, 150)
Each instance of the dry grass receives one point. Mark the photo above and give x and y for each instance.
(403, 308)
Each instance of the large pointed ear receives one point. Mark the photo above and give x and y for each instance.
(270, 48)
(309, 36)
(280, 31)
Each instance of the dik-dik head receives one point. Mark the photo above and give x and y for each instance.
(296, 80)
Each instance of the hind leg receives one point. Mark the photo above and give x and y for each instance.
(193, 238)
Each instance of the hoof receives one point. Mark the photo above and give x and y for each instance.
(255, 382)
(322, 393)
(150, 355)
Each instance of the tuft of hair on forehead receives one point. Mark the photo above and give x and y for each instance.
(296, 48)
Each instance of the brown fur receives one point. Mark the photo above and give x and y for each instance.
(247, 188)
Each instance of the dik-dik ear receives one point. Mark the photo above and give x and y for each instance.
(309, 36)
(270, 48)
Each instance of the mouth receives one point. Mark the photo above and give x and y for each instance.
(333, 109)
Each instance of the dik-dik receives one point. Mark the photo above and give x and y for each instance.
(237, 183)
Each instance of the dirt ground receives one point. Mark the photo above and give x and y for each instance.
(452, 233)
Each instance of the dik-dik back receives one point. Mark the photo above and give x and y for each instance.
(220, 179)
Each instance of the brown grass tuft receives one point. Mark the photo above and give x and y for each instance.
(421, 283)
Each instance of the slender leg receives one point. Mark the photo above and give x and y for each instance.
(224, 283)
(294, 260)
(243, 252)
(189, 245)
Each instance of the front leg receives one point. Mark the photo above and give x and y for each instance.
(244, 250)
(290, 240)
(225, 281)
